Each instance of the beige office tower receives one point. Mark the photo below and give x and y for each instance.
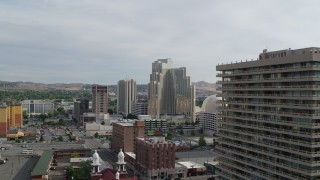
(270, 117)
(100, 101)
(170, 91)
(127, 92)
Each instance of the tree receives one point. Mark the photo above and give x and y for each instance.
(25, 115)
(202, 141)
(60, 138)
(181, 132)
(103, 123)
(193, 133)
(61, 122)
(43, 117)
(70, 172)
(75, 155)
(169, 136)
(201, 131)
(132, 116)
(41, 138)
(61, 110)
(179, 127)
(85, 170)
(96, 135)
(110, 111)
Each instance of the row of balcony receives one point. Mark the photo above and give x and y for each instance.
(261, 167)
(301, 87)
(272, 70)
(235, 173)
(282, 79)
(258, 111)
(277, 121)
(273, 138)
(277, 155)
(267, 169)
(265, 144)
(266, 95)
(275, 104)
(274, 130)
(261, 159)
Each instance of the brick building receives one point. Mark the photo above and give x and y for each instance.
(124, 135)
(155, 157)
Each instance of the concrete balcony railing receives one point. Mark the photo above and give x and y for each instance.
(273, 70)
(246, 110)
(268, 103)
(269, 87)
(274, 138)
(267, 95)
(274, 130)
(280, 165)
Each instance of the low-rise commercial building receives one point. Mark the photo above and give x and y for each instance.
(38, 106)
(41, 169)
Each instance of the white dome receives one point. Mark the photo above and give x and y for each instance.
(95, 155)
(120, 157)
(95, 158)
(210, 105)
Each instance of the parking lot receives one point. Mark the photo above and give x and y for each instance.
(18, 167)
(198, 156)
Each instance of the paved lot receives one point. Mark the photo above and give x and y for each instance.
(198, 156)
(18, 168)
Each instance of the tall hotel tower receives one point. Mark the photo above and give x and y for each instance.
(170, 91)
(270, 116)
(127, 92)
(99, 101)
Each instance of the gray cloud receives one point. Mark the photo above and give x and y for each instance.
(104, 41)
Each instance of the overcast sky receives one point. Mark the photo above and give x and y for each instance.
(100, 41)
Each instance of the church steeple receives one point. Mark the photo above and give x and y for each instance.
(95, 162)
(121, 165)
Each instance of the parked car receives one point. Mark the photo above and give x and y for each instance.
(2, 161)
(3, 148)
(52, 168)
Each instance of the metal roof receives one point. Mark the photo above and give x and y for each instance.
(42, 165)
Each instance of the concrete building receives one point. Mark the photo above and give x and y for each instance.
(124, 135)
(170, 91)
(127, 92)
(80, 107)
(207, 117)
(10, 117)
(269, 127)
(155, 157)
(156, 126)
(99, 101)
(38, 106)
(139, 108)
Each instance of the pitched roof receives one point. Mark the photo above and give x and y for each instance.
(42, 165)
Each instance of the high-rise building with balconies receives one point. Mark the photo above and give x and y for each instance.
(270, 116)
(170, 91)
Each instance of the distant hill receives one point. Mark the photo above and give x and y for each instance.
(205, 89)
(202, 88)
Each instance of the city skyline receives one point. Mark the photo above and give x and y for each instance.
(102, 41)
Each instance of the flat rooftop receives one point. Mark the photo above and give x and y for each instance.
(191, 165)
